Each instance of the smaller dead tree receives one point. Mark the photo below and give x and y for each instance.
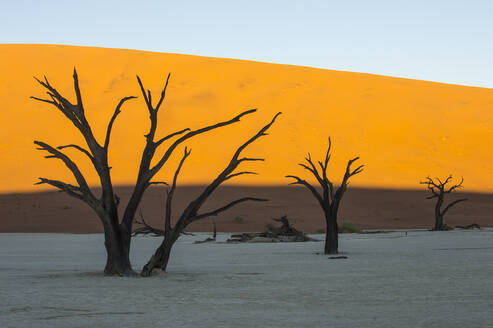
(191, 213)
(330, 199)
(439, 189)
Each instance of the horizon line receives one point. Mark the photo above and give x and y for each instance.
(246, 60)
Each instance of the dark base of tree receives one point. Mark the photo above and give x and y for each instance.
(331, 242)
(158, 261)
(119, 265)
(331, 251)
(117, 260)
(113, 268)
(443, 227)
(160, 258)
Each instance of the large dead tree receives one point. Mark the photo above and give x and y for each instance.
(191, 213)
(330, 199)
(117, 230)
(439, 189)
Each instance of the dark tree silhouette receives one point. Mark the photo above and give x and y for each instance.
(191, 213)
(439, 189)
(330, 199)
(117, 232)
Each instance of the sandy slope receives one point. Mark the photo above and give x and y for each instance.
(365, 208)
(402, 129)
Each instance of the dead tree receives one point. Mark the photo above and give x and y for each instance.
(330, 199)
(117, 231)
(439, 189)
(191, 213)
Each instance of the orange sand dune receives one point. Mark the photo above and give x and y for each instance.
(402, 129)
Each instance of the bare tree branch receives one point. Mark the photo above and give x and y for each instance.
(350, 173)
(190, 134)
(432, 196)
(158, 183)
(232, 175)
(248, 159)
(163, 93)
(74, 113)
(170, 193)
(455, 187)
(84, 151)
(313, 169)
(146, 228)
(431, 183)
(70, 165)
(145, 95)
(112, 120)
(72, 190)
(226, 207)
(452, 204)
(52, 102)
(77, 90)
(160, 141)
(309, 187)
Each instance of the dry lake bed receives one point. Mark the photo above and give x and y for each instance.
(422, 279)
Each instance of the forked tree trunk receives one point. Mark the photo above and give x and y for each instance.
(117, 232)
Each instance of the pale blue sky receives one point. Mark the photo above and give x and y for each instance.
(446, 41)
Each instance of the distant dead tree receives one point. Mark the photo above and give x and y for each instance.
(191, 213)
(331, 198)
(439, 189)
(117, 232)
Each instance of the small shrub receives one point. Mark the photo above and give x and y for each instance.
(320, 230)
(238, 219)
(348, 227)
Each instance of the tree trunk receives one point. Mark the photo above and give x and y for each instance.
(438, 215)
(331, 235)
(438, 223)
(161, 256)
(118, 260)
